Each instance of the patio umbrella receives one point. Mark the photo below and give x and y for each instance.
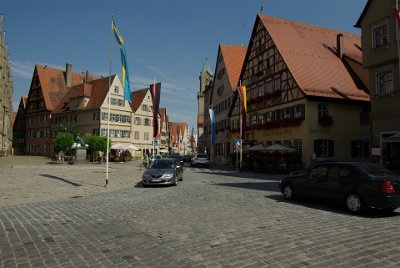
(255, 148)
(133, 147)
(278, 148)
(119, 146)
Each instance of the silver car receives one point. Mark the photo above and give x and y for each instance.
(163, 172)
(200, 160)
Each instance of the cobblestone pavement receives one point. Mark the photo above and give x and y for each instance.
(211, 219)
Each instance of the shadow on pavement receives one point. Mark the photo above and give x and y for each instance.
(330, 206)
(263, 186)
(60, 179)
(248, 175)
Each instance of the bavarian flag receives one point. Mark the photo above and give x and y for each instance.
(242, 94)
(126, 84)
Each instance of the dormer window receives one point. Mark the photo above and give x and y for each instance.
(380, 35)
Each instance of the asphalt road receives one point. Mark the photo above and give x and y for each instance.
(211, 219)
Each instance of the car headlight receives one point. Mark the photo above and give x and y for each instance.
(167, 175)
(145, 176)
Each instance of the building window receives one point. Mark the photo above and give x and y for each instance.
(147, 122)
(323, 148)
(323, 110)
(268, 116)
(380, 37)
(277, 84)
(384, 81)
(144, 107)
(297, 145)
(299, 111)
(138, 121)
(116, 89)
(360, 148)
(137, 135)
(96, 115)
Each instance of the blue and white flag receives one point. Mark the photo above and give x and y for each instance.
(212, 119)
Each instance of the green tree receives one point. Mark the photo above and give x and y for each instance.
(97, 143)
(69, 128)
(64, 141)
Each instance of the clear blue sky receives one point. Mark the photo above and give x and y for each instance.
(165, 39)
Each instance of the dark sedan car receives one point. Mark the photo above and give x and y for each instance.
(356, 185)
(163, 172)
(177, 157)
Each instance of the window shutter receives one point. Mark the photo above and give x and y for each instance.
(353, 149)
(316, 147)
(303, 112)
(331, 147)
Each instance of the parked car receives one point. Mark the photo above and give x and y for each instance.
(357, 185)
(200, 160)
(187, 158)
(163, 172)
(177, 157)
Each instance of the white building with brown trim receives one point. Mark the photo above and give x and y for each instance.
(227, 70)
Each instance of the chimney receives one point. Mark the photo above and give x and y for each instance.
(87, 78)
(339, 45)
(68, 75)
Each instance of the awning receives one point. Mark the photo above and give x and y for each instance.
(393, 138)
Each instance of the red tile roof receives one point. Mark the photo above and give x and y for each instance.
(310, 54)
(233, 59)
(96, 90)
(53, 84)
(176, 129)
(99, 91)
(137, 98)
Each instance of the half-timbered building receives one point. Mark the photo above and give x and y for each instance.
(306, 89)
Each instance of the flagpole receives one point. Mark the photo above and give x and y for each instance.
(398, 40)
(241, 126)
(154, 115)
(109, 103)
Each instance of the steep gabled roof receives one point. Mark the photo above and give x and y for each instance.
(358, 23)
(310, 55)
(99, 91)
(137, 98)
(53, 85)
(95, 90)
(162, 112)
(176, 128)
(233, 58)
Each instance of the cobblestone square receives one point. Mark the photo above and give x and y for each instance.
(213, 218)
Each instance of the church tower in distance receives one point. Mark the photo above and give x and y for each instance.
(205, 78)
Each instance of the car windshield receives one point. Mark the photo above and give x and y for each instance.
(377, 170)
(163, 164)
(201, 156)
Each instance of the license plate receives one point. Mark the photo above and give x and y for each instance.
(155, 180)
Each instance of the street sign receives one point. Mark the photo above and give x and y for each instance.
(237, 144)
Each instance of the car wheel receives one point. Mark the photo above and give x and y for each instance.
(288, 192)
(353, 203)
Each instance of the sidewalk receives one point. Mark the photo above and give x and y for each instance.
(26, 179)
